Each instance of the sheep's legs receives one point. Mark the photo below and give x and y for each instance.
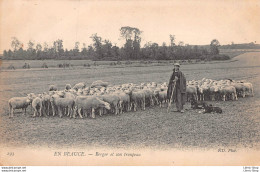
(40, 111)
(79, 111)
(105, 111)
(116, 110)
(34, 114)
(24, 111)
(252, 92)
(68, 111)
(144, 104)
(11, 112)
(129, 106)
(10, 109)
(135, 106)
(60, 112)
(151, 101)
(100, 111)
(75, 112)
(71, 112)
(93, 113)
(155, 100)
(53, 110)
(48, 109)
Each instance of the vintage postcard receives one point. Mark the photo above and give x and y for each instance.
(109, 83)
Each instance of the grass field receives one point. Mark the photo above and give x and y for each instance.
(237, 127)
(89, 64)
(235, 52)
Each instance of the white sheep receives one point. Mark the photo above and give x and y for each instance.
(53, 88)
(19, 103)
(37, 106)
(80, 85)
(89, 102)
(61, 104)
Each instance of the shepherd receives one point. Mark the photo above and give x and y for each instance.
(177, 93)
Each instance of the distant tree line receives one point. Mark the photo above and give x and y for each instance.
(103, 49)
(250, 45)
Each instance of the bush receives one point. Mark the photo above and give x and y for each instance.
(26, 66)
(11, 67)
(128, 62)
(44, 65)
(220, 57)
(87, 65)
(64, 65)
(112, 63)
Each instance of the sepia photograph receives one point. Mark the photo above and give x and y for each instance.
(130, 83)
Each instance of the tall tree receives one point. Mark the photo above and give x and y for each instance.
(58, 47)
(84, 50)
(45, 47)
(5, 54)
(107, 48)
(38, 50)
(15, 44)
(76, 49)
(97, 45)
(30, 45)
(132, 37)
(31, 52)
(214, 44)
(38, 47)
(172, 40)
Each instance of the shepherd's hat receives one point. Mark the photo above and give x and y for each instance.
(177, 64)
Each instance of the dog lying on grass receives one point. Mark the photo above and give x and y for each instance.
(210, 109)
(203, 105)
(196, 105)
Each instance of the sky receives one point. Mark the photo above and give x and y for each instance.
(191, 21)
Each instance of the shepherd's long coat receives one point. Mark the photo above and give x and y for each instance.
(180, 86)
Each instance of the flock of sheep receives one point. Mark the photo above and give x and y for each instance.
(102, 98)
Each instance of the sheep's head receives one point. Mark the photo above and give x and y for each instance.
(127, 91)
(214, 89)
(51, 99)
(156, 92)
(91, 92)
(61, 94)
(107, 106)
(200, 90)
(31, 96)
(51, 93)
(87, 88)
(29, 100)
(68, 87)
(40, 96)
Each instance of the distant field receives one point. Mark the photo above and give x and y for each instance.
(18, 64)
(237, 127)
(80, 63)
(235, 52)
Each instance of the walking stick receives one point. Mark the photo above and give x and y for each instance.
(170, 102)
